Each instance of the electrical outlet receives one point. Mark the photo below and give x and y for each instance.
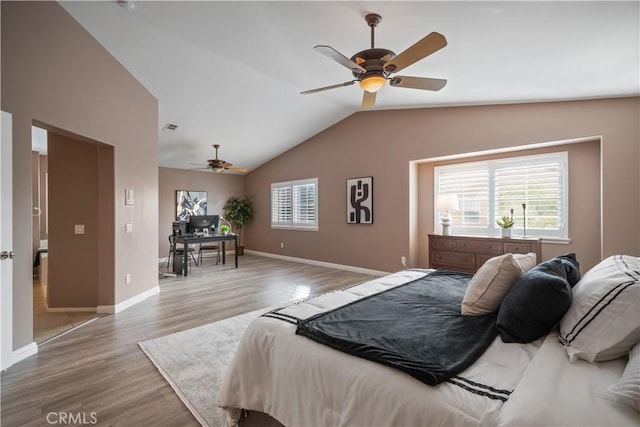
(403, 260)
(281, 245)
(127, 279)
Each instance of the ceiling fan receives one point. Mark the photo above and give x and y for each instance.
(373, 67)
(218, 165)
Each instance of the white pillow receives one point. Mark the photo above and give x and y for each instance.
(491, 283)
(526, 261)
(603, 322)
(627, 388)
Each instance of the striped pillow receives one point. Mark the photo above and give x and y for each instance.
(603, 322)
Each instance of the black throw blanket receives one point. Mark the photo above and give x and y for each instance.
(416, 327)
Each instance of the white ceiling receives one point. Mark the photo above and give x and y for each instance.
(231, 72)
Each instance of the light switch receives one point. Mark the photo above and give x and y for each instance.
(79, 228)
(128, 228)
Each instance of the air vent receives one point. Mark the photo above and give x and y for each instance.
(170, 127)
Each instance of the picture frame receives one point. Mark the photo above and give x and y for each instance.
(360, 200)
(190, 202)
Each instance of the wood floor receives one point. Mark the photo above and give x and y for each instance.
(98, 370)
(46, 324)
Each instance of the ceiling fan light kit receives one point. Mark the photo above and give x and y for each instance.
(373, 82)
(372, 67)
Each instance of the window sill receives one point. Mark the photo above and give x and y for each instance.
(284, 227)
(556, 240)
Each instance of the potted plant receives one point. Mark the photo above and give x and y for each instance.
(506, 223)
(239, 211)
(225, 229)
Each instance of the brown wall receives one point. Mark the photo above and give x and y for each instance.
(44, 169)
(382, 143)
(583, 206)
(74, 193)
(219, 188)
(55, 74)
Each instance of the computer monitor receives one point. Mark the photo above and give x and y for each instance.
(200, 222)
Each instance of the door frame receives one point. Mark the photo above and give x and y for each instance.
(6, 240)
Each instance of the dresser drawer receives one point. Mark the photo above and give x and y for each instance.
(453, 260)
(440, 243)
(493, 247)
(518, 248)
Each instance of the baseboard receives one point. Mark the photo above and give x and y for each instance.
(319, 263)
(71, 309)
(24, 352)
(113, 309)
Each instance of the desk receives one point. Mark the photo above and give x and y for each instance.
(181, 265)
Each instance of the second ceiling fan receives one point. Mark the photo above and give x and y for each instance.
(219, 165)
(373, 67)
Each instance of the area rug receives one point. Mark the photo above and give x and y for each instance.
(194, 362)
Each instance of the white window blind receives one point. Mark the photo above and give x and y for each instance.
(294, 204)
(489, 190)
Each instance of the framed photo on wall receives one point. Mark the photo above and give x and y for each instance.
(189, 202)
(360, 200)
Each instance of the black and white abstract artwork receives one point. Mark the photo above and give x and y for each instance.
(190, 203)
(360, 200)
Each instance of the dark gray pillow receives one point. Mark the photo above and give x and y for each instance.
(538, 300)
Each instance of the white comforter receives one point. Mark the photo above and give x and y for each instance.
(555, 392)
(302, 383)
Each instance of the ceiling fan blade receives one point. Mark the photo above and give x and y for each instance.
(423, 83)
(198, 164)
(368, 99)
(320, 89)
(331, 53)
(422, 48)
(237, 169)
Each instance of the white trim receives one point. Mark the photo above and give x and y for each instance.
(71, 309)
(319, 263)
(24, 352)
(113, 309)
(556, 240)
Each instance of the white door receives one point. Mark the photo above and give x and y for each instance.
(6, 243)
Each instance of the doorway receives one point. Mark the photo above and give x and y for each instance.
(68, 179)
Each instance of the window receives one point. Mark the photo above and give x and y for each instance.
(488, 190)
(294, 204)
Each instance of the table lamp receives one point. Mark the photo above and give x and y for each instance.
(446, 203)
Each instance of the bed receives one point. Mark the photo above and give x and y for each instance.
(552, 379)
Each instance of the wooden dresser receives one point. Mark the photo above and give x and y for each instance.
(468, 253)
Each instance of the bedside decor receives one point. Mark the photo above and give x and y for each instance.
(190, 203)
(446, 203)
(360, 200)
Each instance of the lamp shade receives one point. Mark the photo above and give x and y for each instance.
(373, 82)
(447, 202)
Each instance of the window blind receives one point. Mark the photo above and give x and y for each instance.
(490, 189)
(294, 204)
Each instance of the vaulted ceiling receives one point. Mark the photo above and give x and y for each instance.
(230, 73)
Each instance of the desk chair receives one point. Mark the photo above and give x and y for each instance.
(179, 252)
(209, 247)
